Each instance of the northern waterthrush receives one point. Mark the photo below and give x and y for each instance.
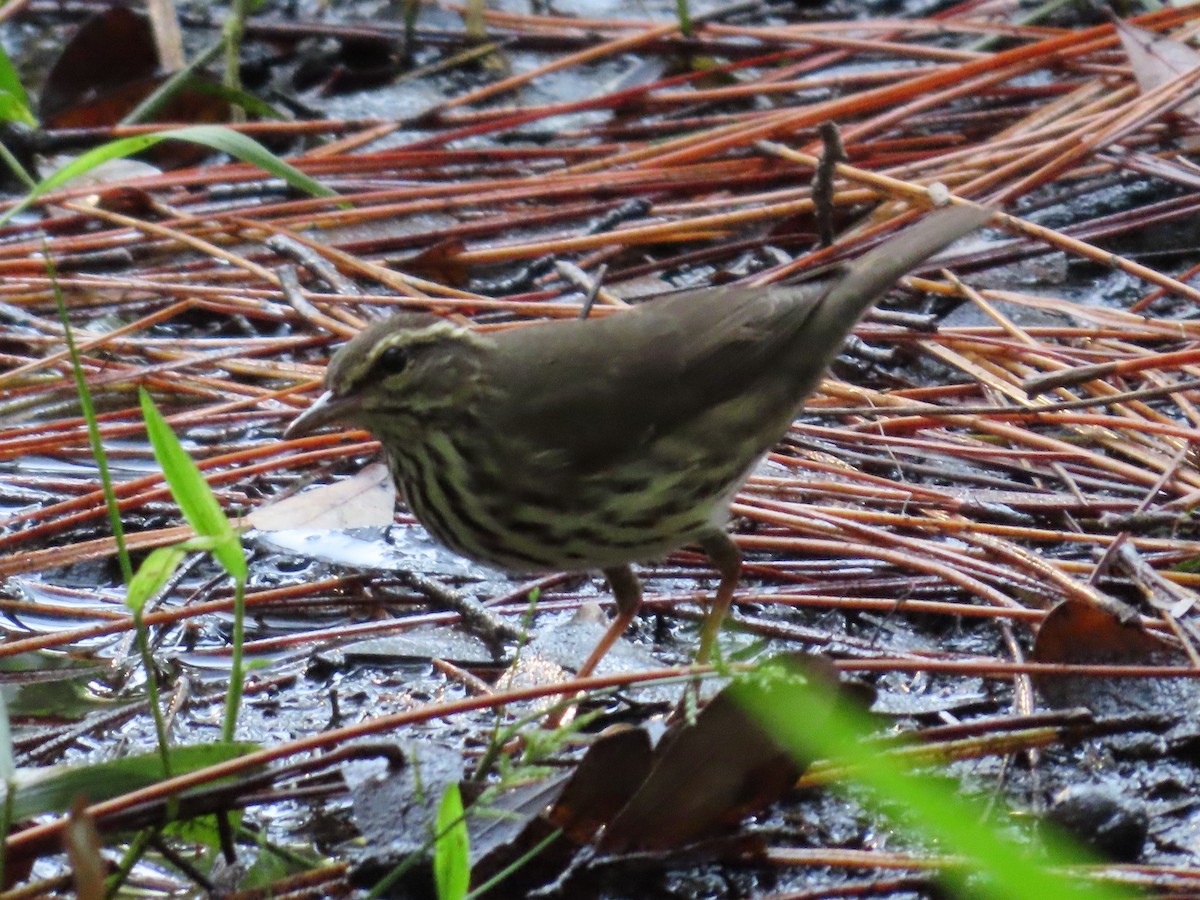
(572, 445)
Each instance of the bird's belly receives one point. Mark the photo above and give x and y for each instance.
(627, 513)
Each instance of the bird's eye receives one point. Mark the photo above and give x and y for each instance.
(391, 361)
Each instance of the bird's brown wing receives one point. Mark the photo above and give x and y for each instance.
(603, 388)
(591, 392)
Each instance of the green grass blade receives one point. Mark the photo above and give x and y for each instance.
(152, 574)
(93, 427)
(14, 102)
(223, 139)
(786, 703)
(165, 92)
(52, 789)
(202, 511)
(195, 498)
(157, 568)
(14, 165)
(451, 849)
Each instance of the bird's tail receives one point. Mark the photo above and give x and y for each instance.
(869, 277)
(866, 279)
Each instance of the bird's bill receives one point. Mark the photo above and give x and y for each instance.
(326, 410)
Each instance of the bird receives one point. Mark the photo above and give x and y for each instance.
(594, 444)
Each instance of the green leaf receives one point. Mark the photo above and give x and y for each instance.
(204, 831)
(157, 568)
(53, 789)
(270, 867)
(12, 110)
(253, 105)
(195, 498)
(152, 574)
(451, 848)
(63, 700)
(223, 139)
(49, 684)
(787, 704)
(14, 102)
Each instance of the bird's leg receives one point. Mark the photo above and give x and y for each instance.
(726, 558)
(627, 591)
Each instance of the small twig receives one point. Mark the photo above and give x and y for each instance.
(286, 245)
(832, 154)
(591, 286)
(474, 615)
